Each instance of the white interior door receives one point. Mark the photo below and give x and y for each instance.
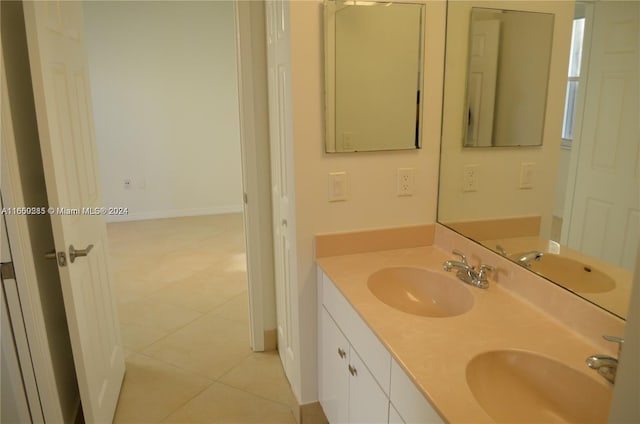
(604, 216)
(65, 124)
(281, 141)
(481, 89)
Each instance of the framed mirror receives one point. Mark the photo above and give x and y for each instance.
(568, 210)
(507, 74)
(373, 75)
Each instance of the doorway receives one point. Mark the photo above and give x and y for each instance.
(167, 129)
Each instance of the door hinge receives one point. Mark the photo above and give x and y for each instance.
(245, 198)
(7, 272)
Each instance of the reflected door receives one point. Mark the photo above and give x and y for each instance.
(604, 216)
(481, 89)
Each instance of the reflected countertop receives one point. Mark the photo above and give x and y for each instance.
(615, 300)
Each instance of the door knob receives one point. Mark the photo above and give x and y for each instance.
(77, 253)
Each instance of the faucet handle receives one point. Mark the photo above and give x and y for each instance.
(615, 339)
(463, 258)
(483, 271)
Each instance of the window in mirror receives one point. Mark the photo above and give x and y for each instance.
(373, 75)
(575, 61)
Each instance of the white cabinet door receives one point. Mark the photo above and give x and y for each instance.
(409, 402)
(367, 402)
(334, 374)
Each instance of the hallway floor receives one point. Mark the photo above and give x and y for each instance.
(182, 290)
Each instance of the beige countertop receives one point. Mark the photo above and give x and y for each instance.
(435, 351)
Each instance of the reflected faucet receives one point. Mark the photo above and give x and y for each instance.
(466, 273)
(526, 258)
(606, 365)
(501, 250)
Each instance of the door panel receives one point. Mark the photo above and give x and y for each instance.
(281, 142)
(367, 402)
(334, 378)
(603, 219)
(483, 74)
(63, 109)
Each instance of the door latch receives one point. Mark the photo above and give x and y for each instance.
(61, 257)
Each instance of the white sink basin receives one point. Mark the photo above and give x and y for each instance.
(419, 291)
(572, 274)
(515, 386)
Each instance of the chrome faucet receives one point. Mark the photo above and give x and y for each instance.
(526, 258)
(466, 273)
(606, 365)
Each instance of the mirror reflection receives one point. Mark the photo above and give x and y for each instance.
(508, 69)
(569, 209)
(373, 75)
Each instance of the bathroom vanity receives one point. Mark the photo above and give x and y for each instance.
(483, 355)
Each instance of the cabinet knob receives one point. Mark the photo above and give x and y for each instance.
(341, 352)
(353, 370)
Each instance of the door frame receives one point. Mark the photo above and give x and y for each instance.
(23, 262)
(256, 170)
(254, 132)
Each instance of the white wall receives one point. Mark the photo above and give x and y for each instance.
(372, 201)
(561, 184)
(523, 70)
(624, 405)
(164, 86)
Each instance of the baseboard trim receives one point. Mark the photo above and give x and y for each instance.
(174, 213)
(312, 413)
(270, 339)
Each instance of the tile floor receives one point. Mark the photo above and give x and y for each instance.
(182, 291)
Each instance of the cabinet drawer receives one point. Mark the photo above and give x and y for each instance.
(412, 406)
(362, 339)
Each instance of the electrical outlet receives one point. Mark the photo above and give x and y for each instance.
(404, 181)
(526, 175)
(337, 186)
(127, 184)
(470, 178)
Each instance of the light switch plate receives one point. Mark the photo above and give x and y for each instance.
(526, 175)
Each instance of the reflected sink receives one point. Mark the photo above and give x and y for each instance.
(517, 386)
(572, 274)
(420, 292)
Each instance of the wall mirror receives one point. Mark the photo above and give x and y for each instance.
(569, 209)
(507, 74)
(373, 75)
